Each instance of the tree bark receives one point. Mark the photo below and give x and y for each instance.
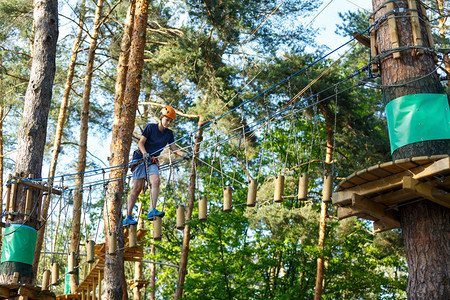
(324, 208)
(81, 164)
(33, 128)
(123, 126)
(182, 270)
(59, 133)
(425, 225)
(153, 274)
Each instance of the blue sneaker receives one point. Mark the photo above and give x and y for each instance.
(129, 221)
(155, 213)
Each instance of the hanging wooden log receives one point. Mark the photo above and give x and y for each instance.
(112, 243)
(279, 189)
(157, 228)
(71, 263)
(227, 202)
(45, 280)
(251, 195)
(303, 187)
(327, 188)
(132, 236)
(202, 209)
(180, 217)
(55, 274)
(90, 251)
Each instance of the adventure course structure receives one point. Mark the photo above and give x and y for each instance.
(409, 193)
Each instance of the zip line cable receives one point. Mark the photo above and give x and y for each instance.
(209, 123)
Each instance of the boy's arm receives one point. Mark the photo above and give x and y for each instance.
(141, 144)
(178, 152)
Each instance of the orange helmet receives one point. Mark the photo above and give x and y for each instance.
(168, 111)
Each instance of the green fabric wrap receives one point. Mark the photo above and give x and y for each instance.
(416, 118)
(19, 244)
(67, 282)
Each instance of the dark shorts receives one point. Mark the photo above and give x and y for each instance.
(139, 172)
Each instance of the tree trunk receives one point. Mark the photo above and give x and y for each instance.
(324, 208)
(59, 133)
(33, 128)
(425, 225)
(153, 274)
(123, 126)
(187, 228)
(84, 120)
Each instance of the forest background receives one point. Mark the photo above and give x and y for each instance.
(208, 58)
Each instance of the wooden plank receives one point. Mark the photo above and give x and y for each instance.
(393, 29)
(28, 292)
(376, 210)
(395, 197)
(28, 200)
(367, 175)
(379, 226)
(33, 184)
(377, 172)
(373, 46)
(437, 167)
(357, 180)
(427, 191)
(343, 197)
(12, 201)
(391, 167)
(4, 292)
(348, 211)
(417, 36)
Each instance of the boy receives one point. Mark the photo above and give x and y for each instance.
(154, 138)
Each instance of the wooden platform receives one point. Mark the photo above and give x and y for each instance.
(377, 192)
(24, 291)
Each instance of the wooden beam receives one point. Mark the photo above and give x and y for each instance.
(28, 292)
(376, 210)
(348, 211)
(373, 46)
(433, 169)
(427, 191)
(379, 226)
(391, 182)
(4, 292)
(39, 186)
(362, 39)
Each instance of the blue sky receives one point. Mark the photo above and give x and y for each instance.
(326, 21)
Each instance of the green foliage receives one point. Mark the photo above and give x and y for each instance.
(205, 58)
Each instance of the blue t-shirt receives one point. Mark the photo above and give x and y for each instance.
(156, 140)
